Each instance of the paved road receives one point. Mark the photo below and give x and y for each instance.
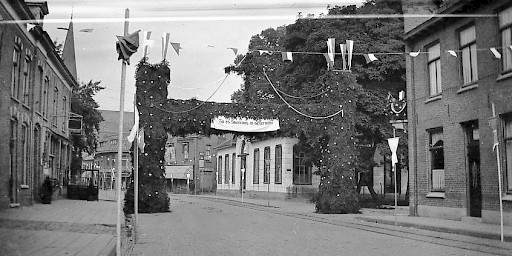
(210, 226)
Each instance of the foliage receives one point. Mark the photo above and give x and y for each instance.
(151, 83)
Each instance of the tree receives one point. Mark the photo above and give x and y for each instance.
(83, 103)
(302, 78)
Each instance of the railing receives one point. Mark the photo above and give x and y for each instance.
(438, 180)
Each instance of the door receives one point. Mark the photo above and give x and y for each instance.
(473, 170)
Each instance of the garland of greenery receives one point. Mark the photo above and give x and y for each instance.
(330, 143)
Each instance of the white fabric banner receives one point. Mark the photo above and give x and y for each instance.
(393, 145)
(244, 124)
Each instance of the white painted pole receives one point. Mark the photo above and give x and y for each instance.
(394, 171)
(499, 173)
(120, 141)
(136, 175)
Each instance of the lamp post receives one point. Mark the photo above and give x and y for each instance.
(188, 180)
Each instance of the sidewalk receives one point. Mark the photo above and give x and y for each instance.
(64, 227)
(386, 216)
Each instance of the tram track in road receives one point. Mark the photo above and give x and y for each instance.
(458, 241)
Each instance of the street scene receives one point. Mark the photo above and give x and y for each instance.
(231, 127)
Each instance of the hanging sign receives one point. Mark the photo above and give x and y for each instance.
(244, 124)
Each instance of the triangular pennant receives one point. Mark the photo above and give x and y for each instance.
(127, 45)
(330, 52)
(165, 46)
(263, 51)
(350, 48)
(235, 50)
(369, 57)
(510, 47)
(86, 30)
(327, 59)
(287, 56)
(452, 53)
(176, 47)
(343, 49)
(496, 53)
(30, 26)
(131, 137)
(414, 54)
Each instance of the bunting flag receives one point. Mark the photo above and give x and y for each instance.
(86, 30)
(343, 49)
(330, 52)
(350, 49)
(127, 45)
(452, 53)
(140, 140)
(495, 52)
(393, 145)
(414, 54)
(146, 43)
(510, 47)
(369, 57)
(131, 137)
(327, 59)
(287, 56)
(235, 50)
(30, 26)
(263, 51)
(165, 45)
(176, 47)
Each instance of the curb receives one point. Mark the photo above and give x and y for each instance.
(444, 229)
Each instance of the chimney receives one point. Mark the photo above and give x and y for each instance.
(39, 9)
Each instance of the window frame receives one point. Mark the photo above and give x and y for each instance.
(507, 145)
(432, 158)
(226, 169)
(233, 165)
(256, 167)
(266, 165)
(472, 63)
(278, 163)
(506, 63)
(219, 170)
(436, 61)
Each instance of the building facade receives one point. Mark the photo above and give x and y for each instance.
(459, 75)
(191, 160)
(35, 103)
(270, 167)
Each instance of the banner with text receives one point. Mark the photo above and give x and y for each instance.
(244, 124)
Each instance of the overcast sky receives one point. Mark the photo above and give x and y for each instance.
(204, 28)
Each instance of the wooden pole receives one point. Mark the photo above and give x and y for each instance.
(136, 174)
(120, 141)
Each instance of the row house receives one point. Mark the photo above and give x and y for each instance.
(459, 75)
(190, 162)
(35, 103)
(264, 168)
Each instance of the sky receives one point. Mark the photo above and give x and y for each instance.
(205, 30)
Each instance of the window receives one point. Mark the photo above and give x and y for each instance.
(13, 146)
(266, 165)
(302, 174)
(46, 86)
(436, 160)
(185, 150)
(24, 154)
(233, 160)
(256, 167)
(279, 164)
(16, 68)
(507, 134)
(219, 170)
(39, 88)
(434, 69)
(26, 79)
(208, 153)
(505, 23)
(64, 113)
(468, 49)
(55, 105)
(226, 169)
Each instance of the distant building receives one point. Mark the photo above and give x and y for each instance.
(271, 167)
(459, 75)
(105, 157)
(191, 158)
(35, 104)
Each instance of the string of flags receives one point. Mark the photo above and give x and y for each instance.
(346, 50)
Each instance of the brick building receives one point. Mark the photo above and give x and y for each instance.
(460, 72)
(35, 103)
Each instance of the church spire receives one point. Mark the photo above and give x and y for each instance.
(68, 53)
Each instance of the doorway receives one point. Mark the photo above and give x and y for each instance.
(473, 169)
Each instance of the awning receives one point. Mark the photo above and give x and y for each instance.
(178, 171)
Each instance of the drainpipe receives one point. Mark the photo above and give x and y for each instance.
(414, 155)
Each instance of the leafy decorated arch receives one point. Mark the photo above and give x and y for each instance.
(330, 142)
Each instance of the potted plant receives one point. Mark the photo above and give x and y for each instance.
(46, 191)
